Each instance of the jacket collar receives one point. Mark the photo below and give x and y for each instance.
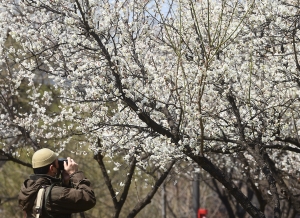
(50, 178)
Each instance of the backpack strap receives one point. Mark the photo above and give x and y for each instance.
(39, 202)
(48, 198)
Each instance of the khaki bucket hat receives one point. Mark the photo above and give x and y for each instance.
(43, 157)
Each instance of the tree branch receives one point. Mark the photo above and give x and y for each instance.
(139, 206)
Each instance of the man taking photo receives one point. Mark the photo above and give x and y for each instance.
(45, 195)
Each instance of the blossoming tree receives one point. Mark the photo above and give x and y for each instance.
(204, 82)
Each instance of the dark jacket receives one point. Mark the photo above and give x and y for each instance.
(61, 201)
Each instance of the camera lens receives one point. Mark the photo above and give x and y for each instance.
(61, 163)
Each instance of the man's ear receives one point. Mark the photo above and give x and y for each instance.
(51, 168)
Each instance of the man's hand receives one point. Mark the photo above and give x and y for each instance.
(70, 167)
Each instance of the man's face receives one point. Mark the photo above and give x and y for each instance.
(55, 172)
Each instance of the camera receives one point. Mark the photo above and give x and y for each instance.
(61, 163)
